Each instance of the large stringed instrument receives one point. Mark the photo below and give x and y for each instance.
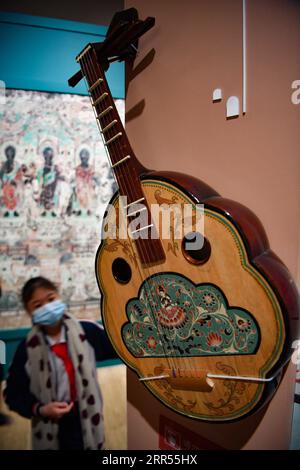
(207, 327)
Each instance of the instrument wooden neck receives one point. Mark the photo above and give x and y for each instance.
(122, 157)
(124, 163)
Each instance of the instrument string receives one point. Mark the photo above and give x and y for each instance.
(94, 74)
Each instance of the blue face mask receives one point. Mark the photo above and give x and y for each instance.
(49, 314)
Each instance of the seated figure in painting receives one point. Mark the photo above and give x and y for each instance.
(48, 177)
(85, 183)
(11, 178)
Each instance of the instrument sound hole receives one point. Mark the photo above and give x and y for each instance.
(196, 248)
(121, 270)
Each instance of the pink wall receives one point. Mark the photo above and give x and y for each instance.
(253, 158)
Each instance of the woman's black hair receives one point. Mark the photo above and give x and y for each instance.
(33, 284)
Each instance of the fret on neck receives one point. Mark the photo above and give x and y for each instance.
(123, 161)
(112, 129)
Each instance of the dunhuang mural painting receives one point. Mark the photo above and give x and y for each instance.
(55, 183)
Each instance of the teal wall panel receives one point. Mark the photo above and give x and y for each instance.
(39, 53)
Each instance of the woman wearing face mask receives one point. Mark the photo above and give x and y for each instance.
(53, 379)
